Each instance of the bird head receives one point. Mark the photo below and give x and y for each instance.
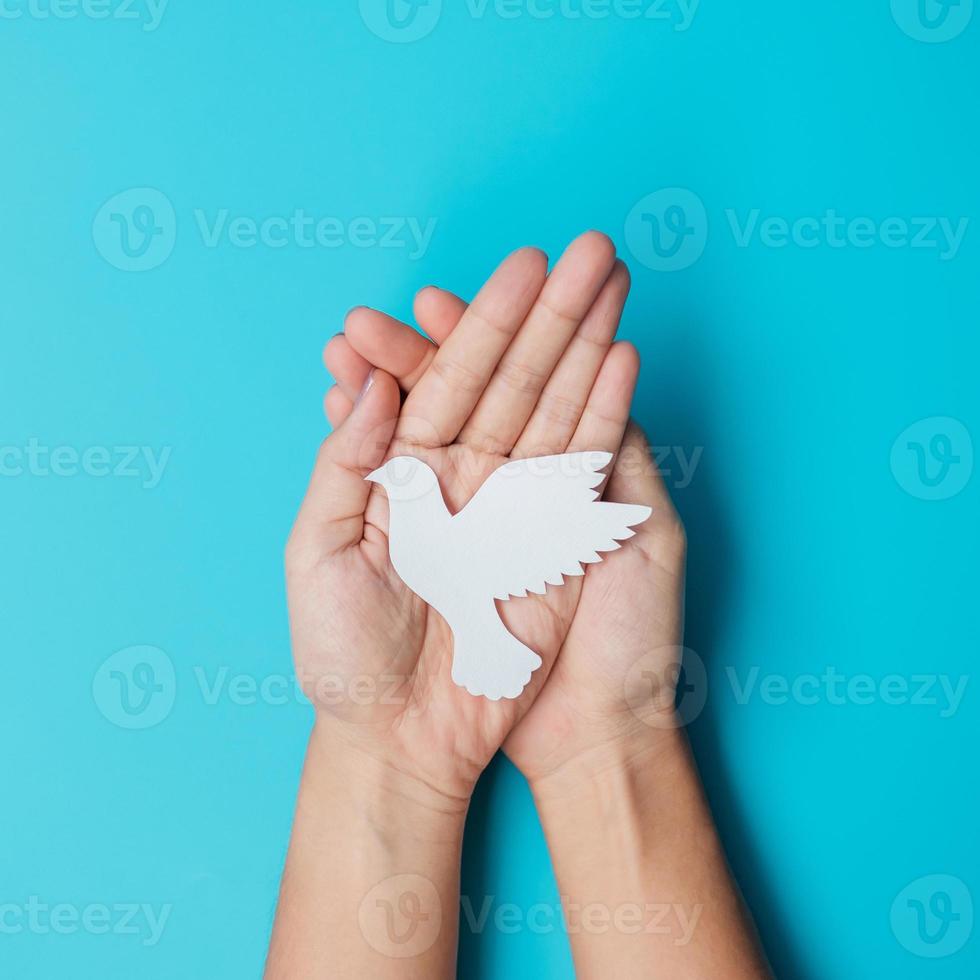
(405, 478)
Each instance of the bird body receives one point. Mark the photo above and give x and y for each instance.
(532, 522)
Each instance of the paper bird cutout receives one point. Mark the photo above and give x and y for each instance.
(532, 522)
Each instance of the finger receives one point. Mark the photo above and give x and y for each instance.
(559, 409)
(389, 344)
(514, 388)
(332, 515)
(437, 311)
(607, 410)
(337, 406)
(348, 368)
(442, 400)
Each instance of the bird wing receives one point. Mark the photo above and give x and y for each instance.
(536, 520)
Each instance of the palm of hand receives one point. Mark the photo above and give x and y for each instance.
(409, 646)
(352, 616)
(618, 663)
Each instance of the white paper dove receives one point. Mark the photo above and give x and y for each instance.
(532, 522)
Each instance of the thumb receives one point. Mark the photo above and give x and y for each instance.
(635, 479)
(332, 515)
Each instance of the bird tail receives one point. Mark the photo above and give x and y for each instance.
(489, 661)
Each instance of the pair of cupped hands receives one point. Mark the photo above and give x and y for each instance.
(530, 368)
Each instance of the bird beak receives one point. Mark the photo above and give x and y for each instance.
(374, 477)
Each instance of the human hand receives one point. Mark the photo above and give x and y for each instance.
(529, 369)
(618, 628)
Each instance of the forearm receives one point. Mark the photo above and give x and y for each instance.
(371, 885)
(643, 878)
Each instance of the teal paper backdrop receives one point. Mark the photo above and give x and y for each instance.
(795, 189)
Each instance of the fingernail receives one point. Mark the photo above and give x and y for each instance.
(366, 387)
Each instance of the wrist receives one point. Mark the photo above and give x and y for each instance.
(383, 791)
(372, 876)
(635, 763)
(632, 841)
(614, 817)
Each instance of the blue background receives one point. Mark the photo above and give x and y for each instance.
(793, 369)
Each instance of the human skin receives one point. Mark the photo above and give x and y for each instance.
(530, 368)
